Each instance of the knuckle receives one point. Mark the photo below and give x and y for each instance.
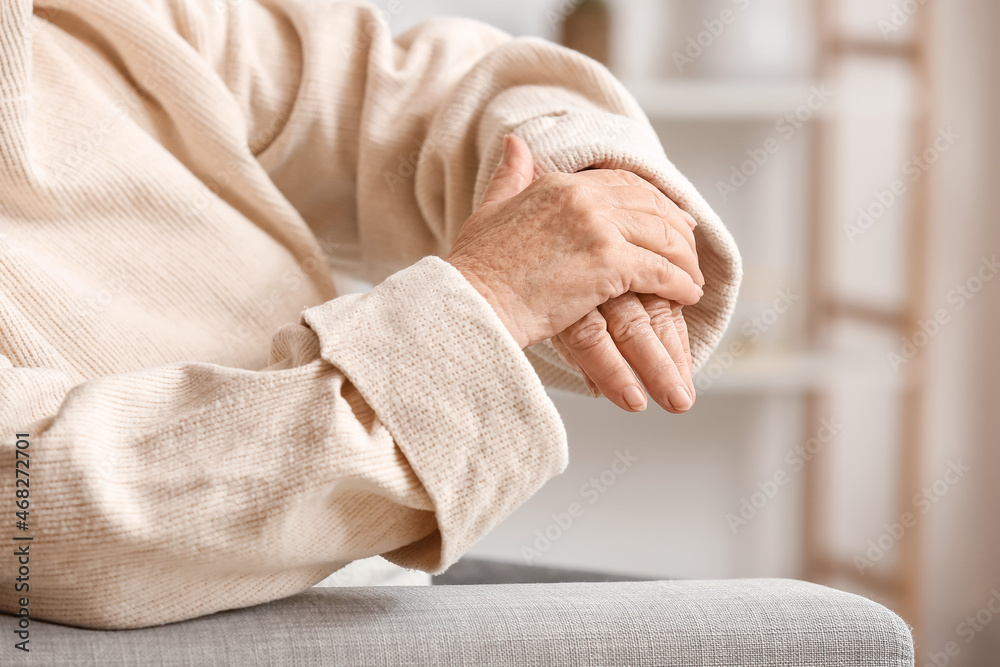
(661, 376)
(630, 328)
(552, 179)
(575, 198)
(565, 184)
(586, 334)
(667, 272)
(592, 224)
(659, 309)
(659, 204)
(674, 242)
(606, 252)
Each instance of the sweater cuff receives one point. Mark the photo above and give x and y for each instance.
(435, 363)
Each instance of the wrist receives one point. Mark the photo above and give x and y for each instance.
(490, 294)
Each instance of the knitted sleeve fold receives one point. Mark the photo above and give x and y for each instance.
(404, 422)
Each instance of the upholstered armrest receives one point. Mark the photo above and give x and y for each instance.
(677, 623)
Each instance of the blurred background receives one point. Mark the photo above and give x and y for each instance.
(846, 431)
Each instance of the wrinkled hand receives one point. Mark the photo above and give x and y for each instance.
(638, 340)
(545, 253)
(645, 332)
(511, 237)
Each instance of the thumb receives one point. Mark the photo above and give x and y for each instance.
(515, 173)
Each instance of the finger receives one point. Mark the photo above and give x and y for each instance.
(567, 356)
(648, 231)
(689, 218)
(682, 331)
(648, 199)
(591, 345)
(515, 172)
(623, 177)
(630, 326)
(663, 317)
(564, 352)
(648, 273)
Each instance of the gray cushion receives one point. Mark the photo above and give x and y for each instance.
(482, 571)
(744, 622)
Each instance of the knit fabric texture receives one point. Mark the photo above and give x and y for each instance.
(208, 425)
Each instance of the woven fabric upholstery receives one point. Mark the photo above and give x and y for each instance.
(678, 623)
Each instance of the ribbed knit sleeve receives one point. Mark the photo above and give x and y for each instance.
(404, 422)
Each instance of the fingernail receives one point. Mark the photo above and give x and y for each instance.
(635, 398)
(679, 398)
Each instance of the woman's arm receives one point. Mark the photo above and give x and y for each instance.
(405, 422)
(385, 145)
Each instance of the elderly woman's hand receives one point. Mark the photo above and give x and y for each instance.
(546, 254)
(637, 332)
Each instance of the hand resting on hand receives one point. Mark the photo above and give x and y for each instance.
(601, 262)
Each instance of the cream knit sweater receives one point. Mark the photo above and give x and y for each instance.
(208, 426)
